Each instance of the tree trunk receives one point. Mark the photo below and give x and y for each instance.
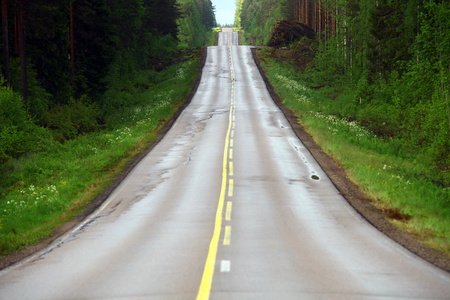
(320, 21)
(72, 47)
(16, 33)
(307, 13)
(332, 21)
(6, 41)
(23, 52)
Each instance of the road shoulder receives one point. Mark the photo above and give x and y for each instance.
(351, 192)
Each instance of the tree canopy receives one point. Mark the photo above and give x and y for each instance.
(71, 45)
(393, 56)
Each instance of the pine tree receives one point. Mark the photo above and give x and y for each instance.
(95, 45)
(48, 45)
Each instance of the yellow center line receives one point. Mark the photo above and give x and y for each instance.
(231, 143)
(227, 236)
(228, 211)
(231, 168)
(231, 153)
(230, 188)
(208, 271)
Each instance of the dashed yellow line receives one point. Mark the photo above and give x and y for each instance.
(227, 236)
(208, 271)
(231, 168)
(228, 211)
(230, 188)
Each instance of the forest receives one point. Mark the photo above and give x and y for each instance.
(62, 54)
(383, 63)
(85, 85)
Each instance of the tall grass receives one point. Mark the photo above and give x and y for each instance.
(393, 179)
(43, 190)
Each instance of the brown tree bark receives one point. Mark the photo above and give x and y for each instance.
(72, 46)
(23, 50)
(300, 11)
(16, 32)
(6, 42)
(307, 13)
(320, 21)
(333, 22)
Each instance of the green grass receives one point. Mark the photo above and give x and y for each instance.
(395, 181)
(49, 188)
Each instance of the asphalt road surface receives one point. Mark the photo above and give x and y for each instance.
(229, 205)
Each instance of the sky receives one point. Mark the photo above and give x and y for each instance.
(225, 10)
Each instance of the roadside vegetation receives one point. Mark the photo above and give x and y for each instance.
(401, 183)
(53, 181)
(68, 127)
(373, 90)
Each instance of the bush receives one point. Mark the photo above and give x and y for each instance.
(77, 117)
(18, 134)
(38, 98)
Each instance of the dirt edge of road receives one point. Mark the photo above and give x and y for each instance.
(11, 259)
(351, 192)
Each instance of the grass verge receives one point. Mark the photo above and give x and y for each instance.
(49, 188)
(409, 200)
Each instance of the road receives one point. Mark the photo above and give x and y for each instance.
(229, 205)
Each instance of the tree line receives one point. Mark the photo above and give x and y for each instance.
(198, 19)
(378, 37)
(65, 48)
(63, 59)
(392, 56)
